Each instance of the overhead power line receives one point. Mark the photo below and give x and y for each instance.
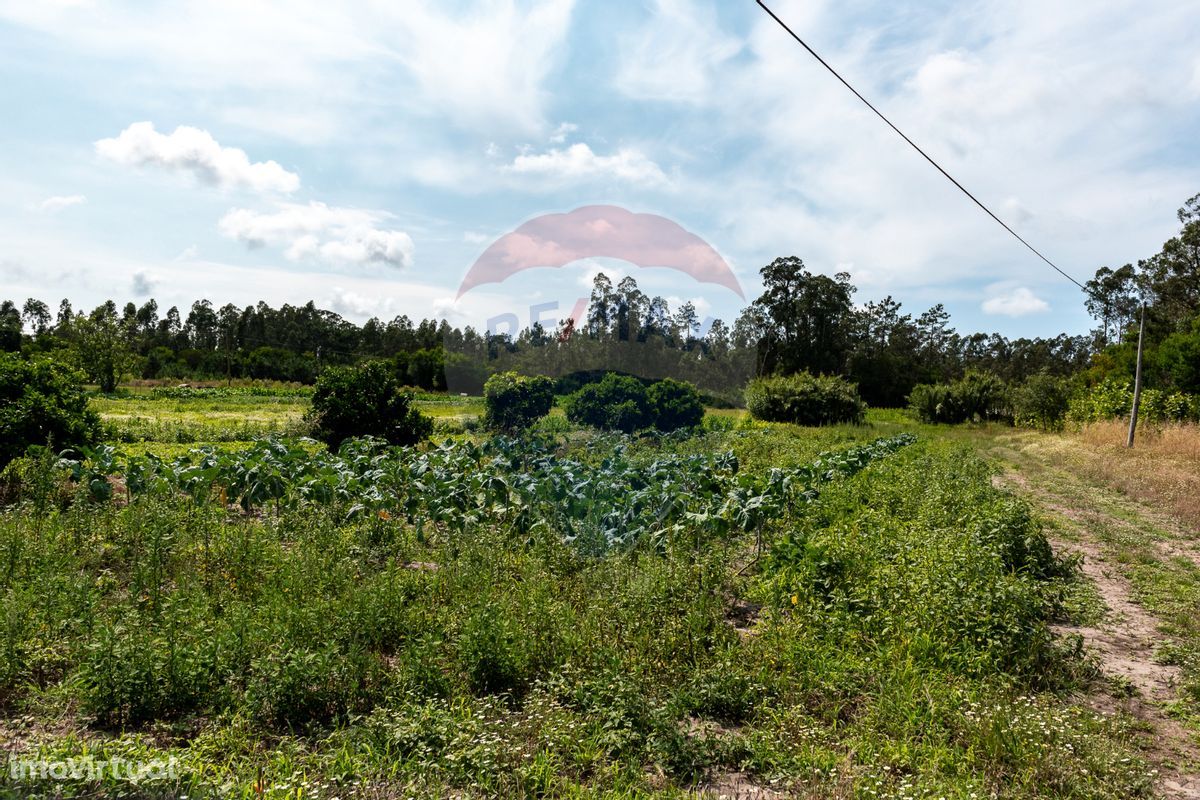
(914, 145)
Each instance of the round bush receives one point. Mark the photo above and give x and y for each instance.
(42, 403)
(615, 403)
(675, 405)
(365, 400)
(805, 399)
(514, 402)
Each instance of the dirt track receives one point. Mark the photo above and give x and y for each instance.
(1127, 639)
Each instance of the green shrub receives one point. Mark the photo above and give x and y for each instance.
(805, 399)
(1041, 402)
(365, 400)
(42, 403)
(615, 403)
(1113, 399)
(976, 396)
(675, 405)
(624, 403)
(514, 402)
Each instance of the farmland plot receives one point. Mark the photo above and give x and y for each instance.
(772, 611)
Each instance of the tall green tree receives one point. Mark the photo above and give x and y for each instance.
(10, 327)
(807, 319)
(101, 347)
(36, 315)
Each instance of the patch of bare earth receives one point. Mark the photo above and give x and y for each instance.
(1125, 644)
(736, 786)
(742, 616)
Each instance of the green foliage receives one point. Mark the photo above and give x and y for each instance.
(326, 650)
(978, 396)
(101, 348)
(624, 403)
(42, 403)
(614, 403)
(226, 392)
(805, 399)
(594, 508)
(1113, 399)
(514, 402)
(365, 400)
(1177, 359)
(493, 652)
(1041, 402)
(675, 405)
(924, 552)
(807, 319)
(417, 622)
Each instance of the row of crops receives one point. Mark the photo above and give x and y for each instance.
(523, 485)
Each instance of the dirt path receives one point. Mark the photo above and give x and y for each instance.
(1126, 640)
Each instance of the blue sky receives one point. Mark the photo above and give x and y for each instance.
(363, 155)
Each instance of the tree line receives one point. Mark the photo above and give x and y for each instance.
(802, 321)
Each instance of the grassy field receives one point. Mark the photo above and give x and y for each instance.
(158, 419)
(754, 611)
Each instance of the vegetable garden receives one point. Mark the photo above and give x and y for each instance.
(849, 610)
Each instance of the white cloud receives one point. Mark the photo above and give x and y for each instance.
(485, 65)
(676, 53)
(330, 67)
(592, 268)
(143, 283)
(352, 304)
(196, 152)
(1013, 302)
(52, 205)
(560, 134)
(318, 231)
(1015, 213)
(579, 162)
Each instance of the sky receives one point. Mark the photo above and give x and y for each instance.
(363, 155)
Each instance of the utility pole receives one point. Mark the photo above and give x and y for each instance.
(1137, 378)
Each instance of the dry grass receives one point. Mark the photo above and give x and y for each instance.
(1169, 441)
(1162, 469)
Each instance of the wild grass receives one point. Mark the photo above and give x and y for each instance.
(1173, 440)
(242, 414)
(1162, 469)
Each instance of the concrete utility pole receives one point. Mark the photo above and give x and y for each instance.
(1137, 378)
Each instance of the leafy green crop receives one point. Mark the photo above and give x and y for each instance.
(520, 484)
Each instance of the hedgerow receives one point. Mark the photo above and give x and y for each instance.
(42, 402)
(1113, 398)
(1041, 402)
(624, 403)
